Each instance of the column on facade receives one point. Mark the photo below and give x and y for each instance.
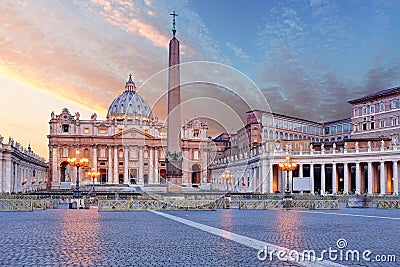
(115, 173)
(140, 174)
(382, 178)
(370, 179)
(395, 178)
(185, 167)
(358, 178)
(323, 178)
(156, 175)
(151, 165)
(94, 161)
(55, 182)
(126, 165)
(109, 171)
(312, 177)
(334, 179)
(346, 178)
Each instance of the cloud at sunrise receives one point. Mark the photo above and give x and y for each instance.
(307, 57)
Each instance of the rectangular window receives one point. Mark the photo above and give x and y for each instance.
(365, 110)
(395, 104)
(382, 124)
(356, 112)
(65, 152)
(86, 130)
(102, 153)
(394, 121)
(382, 107)
(305, 144)
(372, 125)
(102, 130)
(356, 128)
(364, 126)
(196, 154)
(65, 128)
(372, 109)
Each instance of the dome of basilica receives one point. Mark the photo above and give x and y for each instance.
(129, 105)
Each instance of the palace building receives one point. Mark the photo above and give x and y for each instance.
(358, 155)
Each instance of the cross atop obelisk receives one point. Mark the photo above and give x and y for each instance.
(173, 22)
(174, 153)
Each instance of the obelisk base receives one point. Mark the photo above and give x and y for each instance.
(174, 176)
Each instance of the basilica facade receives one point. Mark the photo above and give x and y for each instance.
(127, 148)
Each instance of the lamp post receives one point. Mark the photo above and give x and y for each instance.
(93, 174)
(288, 165)
(77, 162)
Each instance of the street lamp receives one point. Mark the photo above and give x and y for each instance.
(93, 174)
(288, 165)
(77, 162)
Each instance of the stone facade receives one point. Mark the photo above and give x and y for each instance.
(336, 159)
(129, 147)
(21, 170)
(377, 114)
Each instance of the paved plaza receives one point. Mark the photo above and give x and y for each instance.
(230, 237)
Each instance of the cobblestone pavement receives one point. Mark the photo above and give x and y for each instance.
(88, 238)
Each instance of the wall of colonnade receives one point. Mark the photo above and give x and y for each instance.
(369, 170)
(20, 169)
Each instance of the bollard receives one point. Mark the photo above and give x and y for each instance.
(55, 204)
(73, 205)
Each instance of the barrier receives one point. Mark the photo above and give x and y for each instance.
(22, 204)
(130, 205)
(388, 204)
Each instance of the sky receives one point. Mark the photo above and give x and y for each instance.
(308, 58)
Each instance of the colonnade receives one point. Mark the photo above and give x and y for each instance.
(370, 172)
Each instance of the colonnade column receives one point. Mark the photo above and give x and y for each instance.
(300, 170)
(312, 177)
(115, 175)
(140, 175)
(271, 178)
(126, 165)
(370, 179)
(382, 178)
(395, 178)
(323, 178)
(334, 178)
(358, 178)
(151, 165)
(109, 171)
(156, 175)
(346, 178)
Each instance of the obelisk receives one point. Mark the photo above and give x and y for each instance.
(174, 153)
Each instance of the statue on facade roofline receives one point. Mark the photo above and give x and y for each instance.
(1, 139)
(11, 141)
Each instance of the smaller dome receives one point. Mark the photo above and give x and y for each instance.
(129, 105)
